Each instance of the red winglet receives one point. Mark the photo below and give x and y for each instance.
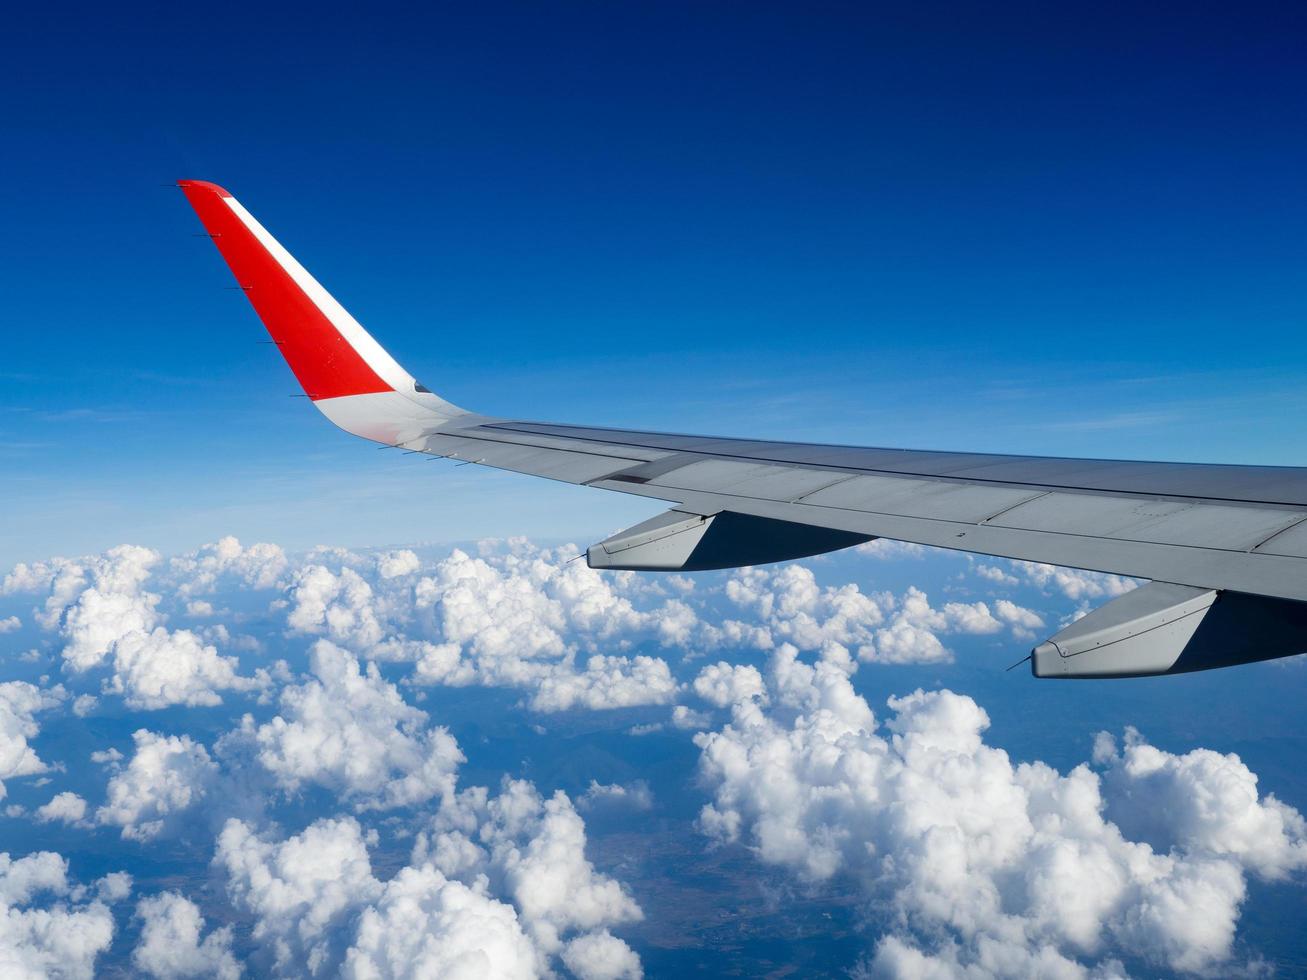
(323, 360)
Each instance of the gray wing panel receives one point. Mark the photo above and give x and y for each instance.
(1214, 527)
(553, 459)
(1286, 485)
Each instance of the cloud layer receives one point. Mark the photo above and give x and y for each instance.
(325, 796)
(994, 868)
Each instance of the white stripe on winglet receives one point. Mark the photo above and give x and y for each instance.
(386, 367)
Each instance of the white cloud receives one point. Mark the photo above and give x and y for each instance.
(36, 577)
(302, 891)
(341, 607)
(956, 617)
(996, 575)
(170, 947)
(795, 608)
(65, 807)
(1024, 622)
(990, 867)
(1072, 582)
(606, 682)
(885, 548)
(602, 956)
(723, 684)
(9, 624)
(520, 618)
(62, 578)
(167, 775)
(425, 925)
(394, 564)
(833, 621)
(348, 729)
(516, 616)
(1201, 801)
(161, 668)
(532, 850)
(113, 887)
(904, 643)
(636, 795)
(496, 617)
(687, 719)
(200, 572)
(84, 704)
(496, 887)
(996, 869)
(103, 611)
(94, 617)
(62, 939)
(19, 703)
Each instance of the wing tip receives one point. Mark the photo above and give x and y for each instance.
(203, 185)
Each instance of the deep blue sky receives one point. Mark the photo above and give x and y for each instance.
(1037, 228)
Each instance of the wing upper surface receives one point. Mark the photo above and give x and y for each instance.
(1220, 527)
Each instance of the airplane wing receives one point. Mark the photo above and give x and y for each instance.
(1224, 547)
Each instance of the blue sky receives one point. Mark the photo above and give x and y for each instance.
(1066, 229)
(1071, 232)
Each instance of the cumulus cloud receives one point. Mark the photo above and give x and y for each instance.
(10, 623)
(636, 795)
(498, 886)
(302, 891)
(687, 719)
(23, 578)
(723, 684)
(170, 947)
(532, 851)
(1201, 801)
(606, 682)
(101, 607)
(796, 609)
(425, 925)
(64, 807)
(996, 575)
(202, 571)
(994, 868)
(167, 776)
(987, 867)
(319, 910)
(48, 925)
(602, 956)
(339, 606)
(520, 618)
(394, 564)
(1072, 582)
(348, 729)
(112, 606)
(885, 548)
(1024, 622)
(20, 702)
(839, 622)
(62, 578)
(160, 668)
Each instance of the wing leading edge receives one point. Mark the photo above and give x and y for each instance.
(1224, 546)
